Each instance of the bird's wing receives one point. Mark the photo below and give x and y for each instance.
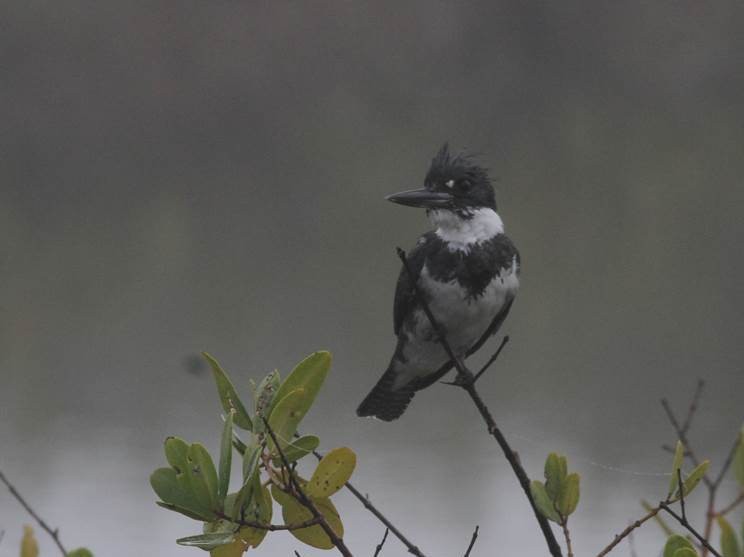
(405, 295)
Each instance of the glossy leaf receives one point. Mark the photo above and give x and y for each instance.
(225, 457)
(569, 498)
(738, 464)
(294, 513)
(207, 541)
(29, 545)
(228, 395)
(694, 478)
(299, 448)
(674, 543)
(543, 502)
(265, 394)
(556, 469)
(729, 543)
(333, 471)
(286, 415)
(202, 477)
(309, 375)
(80, 552)
(679, 455)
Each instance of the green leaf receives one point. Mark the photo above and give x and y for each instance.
(286, 415)
(251, 460)
(569, 498)
(309, 375)
(202, 477)
(29, 545)
(333, 471)
(729, 543)
(238, 444)
(260, 511)
(80, 552)
(181, 510)
(299, 448)
(165, 483)
(294, 513)
(694, 478)
(685, 552)
(679, 455)
(265, 394)
(176, 450)
(228, 395)
(556, 469)
(738, 464)
(674, 543)
(225, 457)
(207, 541)
(543, 502)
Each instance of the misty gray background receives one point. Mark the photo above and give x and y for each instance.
(187, 176)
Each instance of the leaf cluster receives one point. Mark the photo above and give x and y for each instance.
(558, 497)
(235, 521)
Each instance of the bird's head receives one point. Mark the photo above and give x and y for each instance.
(453, 183)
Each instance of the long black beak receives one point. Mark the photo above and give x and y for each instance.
(422, 198)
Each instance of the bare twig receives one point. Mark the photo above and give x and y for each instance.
(693, 405)
(682, 435)
(382, 542)
(731, 506)
(297, 553)
(304, 500)
(472, 541)
(683, 521)
(567, 536)
(364, 499)
(492, 359)
(660, 521)
(625, 533)
(466, 380)
(53, 532)
(727, 462)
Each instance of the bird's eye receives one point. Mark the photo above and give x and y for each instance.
(449, 183)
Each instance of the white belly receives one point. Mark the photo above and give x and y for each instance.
(464, 319)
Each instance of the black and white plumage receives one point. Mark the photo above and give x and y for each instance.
(467, 268)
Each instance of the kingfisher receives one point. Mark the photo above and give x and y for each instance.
(466, 268)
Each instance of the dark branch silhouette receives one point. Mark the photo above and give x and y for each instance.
(53, 532)
(379, 545)
(472, 542)
(466, 380)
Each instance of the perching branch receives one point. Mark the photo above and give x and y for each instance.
(304, 500)
(625, 533)
(54, 533)
(466, 380)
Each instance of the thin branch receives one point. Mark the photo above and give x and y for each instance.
(269, 527)
(472, 541)
(379, 545)
(681, 493)
(304, 500)
(693, 405)
(567, 536)
(731, 506)
(492, 359)
(727, 462)
(53, 532)
(631, 545)
(625, 533)
(683, 521)
(297, 553)
(466, 380)
(364, 499)
(682, 435)
(660, 521)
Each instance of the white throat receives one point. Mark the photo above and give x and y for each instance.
(461, 233)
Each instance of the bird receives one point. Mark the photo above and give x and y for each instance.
(466, 269)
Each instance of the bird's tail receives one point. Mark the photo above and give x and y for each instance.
(384, 402)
